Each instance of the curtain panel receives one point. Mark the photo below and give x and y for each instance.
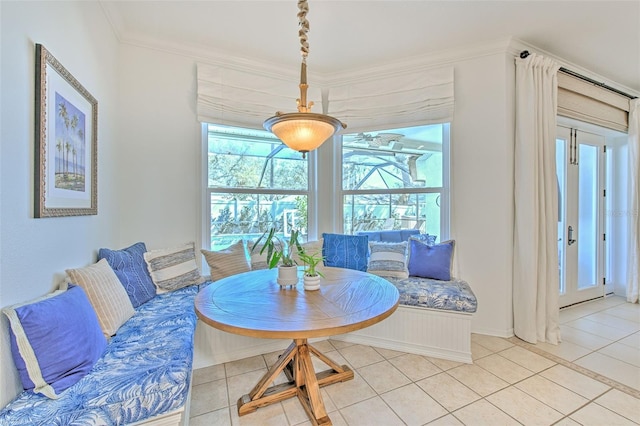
(633, 198)
(398, 100)
(535, 262)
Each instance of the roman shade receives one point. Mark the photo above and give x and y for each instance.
(391, 101)
(584, 101)
(243, 98)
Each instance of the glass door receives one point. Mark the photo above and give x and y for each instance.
(580, 163)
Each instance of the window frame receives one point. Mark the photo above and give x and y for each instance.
(207, 191)
(325, 189)
(443, 191)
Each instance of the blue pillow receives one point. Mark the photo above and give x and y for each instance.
(425, 238)
(430, 261)
(346, 251)
(132, 272)
(55, 340)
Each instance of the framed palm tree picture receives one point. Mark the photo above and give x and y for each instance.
(66, 142)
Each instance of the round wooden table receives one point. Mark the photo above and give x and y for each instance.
(254, 304)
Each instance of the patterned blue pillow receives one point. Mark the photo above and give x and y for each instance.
(425, 238)
(346, 251)
(55, 340)
(131, 270)
(431, 261)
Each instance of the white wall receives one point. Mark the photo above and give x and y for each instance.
(35, 252)
(482, 149)
(159, 149)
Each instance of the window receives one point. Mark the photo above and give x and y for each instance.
(254, 183)
(392, 179)
(396, 179)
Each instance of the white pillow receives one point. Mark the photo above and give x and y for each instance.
(229, 261)
(173, 268)
(106, 294)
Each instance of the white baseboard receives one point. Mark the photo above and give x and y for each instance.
(493, 332)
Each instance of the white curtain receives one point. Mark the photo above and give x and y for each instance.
(633, 198)
(535, 262)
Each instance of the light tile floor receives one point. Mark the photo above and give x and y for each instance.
(510, 382)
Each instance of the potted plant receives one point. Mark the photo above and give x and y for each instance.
(278, 253)
(311, 274)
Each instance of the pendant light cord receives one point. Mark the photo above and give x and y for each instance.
(303, 8)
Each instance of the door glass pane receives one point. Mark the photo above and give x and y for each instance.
(561, 165)
(587, 215)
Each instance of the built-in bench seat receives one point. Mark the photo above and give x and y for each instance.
(143, 377)
(434, 316)
(433, 319)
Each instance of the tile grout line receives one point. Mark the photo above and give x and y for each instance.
(575, 367)
(557, 360)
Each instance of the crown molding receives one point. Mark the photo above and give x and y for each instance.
(425, 61)
(430, 60)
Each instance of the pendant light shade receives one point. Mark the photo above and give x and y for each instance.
(303, 131)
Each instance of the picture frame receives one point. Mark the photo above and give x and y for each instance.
(66, 142)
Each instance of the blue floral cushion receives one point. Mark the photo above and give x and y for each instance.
(131, 270)
(428, 239)
(453, 295)
(346, 251)
(145, 371)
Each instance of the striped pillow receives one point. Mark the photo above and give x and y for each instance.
(229, 261)
(388, 259)
(173, 268)
(106, 294)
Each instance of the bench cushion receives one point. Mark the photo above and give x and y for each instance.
(454, 295)
(144, 372)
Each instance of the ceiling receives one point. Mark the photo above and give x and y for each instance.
(600, 36)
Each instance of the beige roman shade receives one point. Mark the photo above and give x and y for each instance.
(585, 101)
(245, 98)
(390, 101)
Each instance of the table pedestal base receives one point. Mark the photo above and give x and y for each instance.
(304, 382)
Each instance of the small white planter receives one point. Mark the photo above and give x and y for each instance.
(287, 275)
(311, 282)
